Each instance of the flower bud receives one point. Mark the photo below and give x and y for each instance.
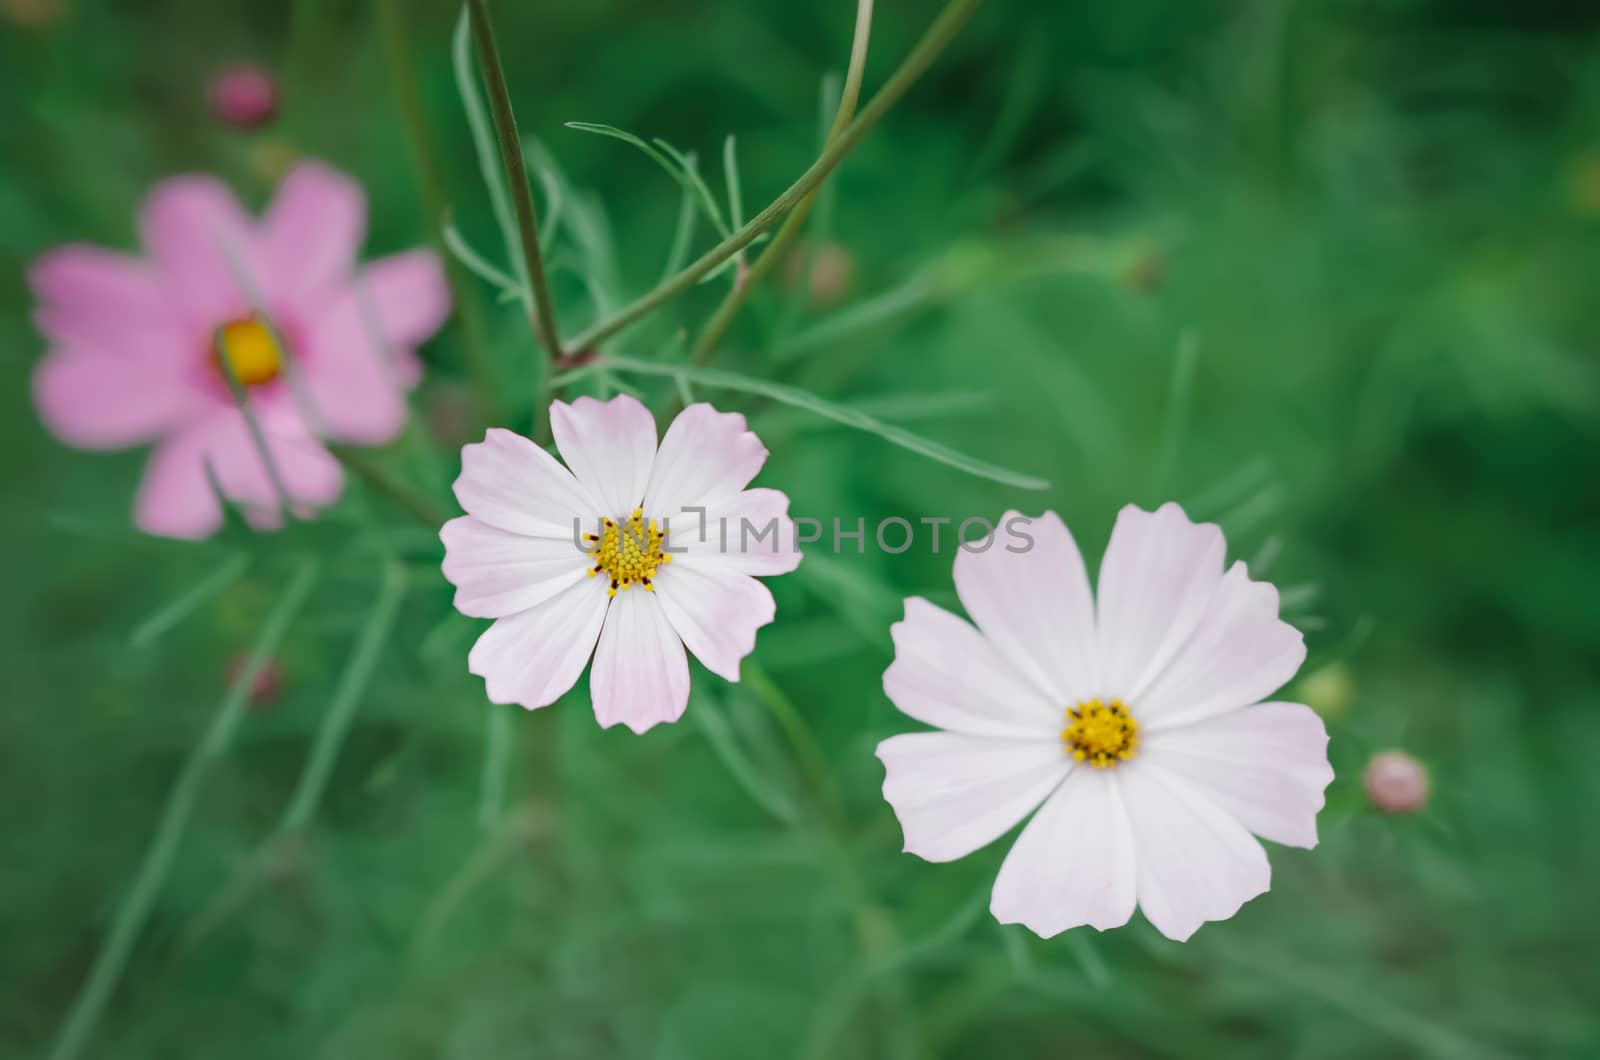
(244, 95)
(1396, 782)
(32, 14)
(267, 686)
(833, 270)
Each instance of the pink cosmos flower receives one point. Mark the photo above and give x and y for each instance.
(1132, 723)
(646, 551)
(136, 345)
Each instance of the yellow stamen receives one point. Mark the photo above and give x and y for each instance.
(251, 350)
(629, 552)
(1101, 734)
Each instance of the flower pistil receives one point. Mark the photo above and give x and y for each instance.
(629, 552)
(1101, 733)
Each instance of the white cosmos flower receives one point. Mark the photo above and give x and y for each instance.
(1133, 725)
(646, 551)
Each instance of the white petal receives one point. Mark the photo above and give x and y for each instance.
(750, 532)
(1240, 653)
(609, 445)
(954, 794)
(497, 573)
(1073, 864)
(1034, 603)
(1195, 863)
(1156, 582)
(715, 610)
(706, 456)
(641, 675)
(1265, 765)
(534, 657)
(945, 673)
(512, 484)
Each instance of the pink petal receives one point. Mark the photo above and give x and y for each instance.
(751, 533)
(1265, 765)
(1073, 864)
(407, 294)
(715, 610)
(532, 658)
(197, 236)
(1240, 653)
(954, 794)
(1195, 863)
(109, 302)
(947, 674)
(497, 573)
(610, 446)
(1156, 582)
(512, 484)
(359, 359)
(1034, 604)
(641, 675)
(706, 457)
(101, 400)
(311, 234)
(176, 497)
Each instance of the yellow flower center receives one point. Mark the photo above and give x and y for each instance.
(628, 552)
(251, 351)
(1100, 733)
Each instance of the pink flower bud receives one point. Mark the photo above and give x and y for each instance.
(268, 684)
(833, 271)
(33, 14)
(1396, 782)
(244, 95)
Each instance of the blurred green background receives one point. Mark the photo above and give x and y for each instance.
(1324, 272)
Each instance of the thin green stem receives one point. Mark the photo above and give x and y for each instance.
(208, 589)
(415, 504)
(705, 346)
(152, 873)
(505, 126)
(496, 765)
(435, 203)
(258, 437)
(934, 41)
(346, 699)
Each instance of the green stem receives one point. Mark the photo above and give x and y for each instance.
(705, 346)
(430, 181)
(934, 41)
(258, 437)
(415, 504)
(496, 765)
(336, 721)
(152, 873)
(209, 588)
(505, 127)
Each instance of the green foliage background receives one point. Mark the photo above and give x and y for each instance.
(1374, 226)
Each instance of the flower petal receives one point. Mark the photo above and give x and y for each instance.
(311, 234)
(641, 675)
(177, 498)
(199, 237)
(1156, 582)
(946, 673)
(513, 485)
(1029, 593)
(111, 303)
(1265, 765)
(358, 352)
(534, 657)
(99, 400)
(1195, 863)
(408, 294)
(706, 456)
(1239, 653)
(1073, 864)
(610, 446)
(954, 793)
(497, 573)
(751, 533)
(715, 610)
